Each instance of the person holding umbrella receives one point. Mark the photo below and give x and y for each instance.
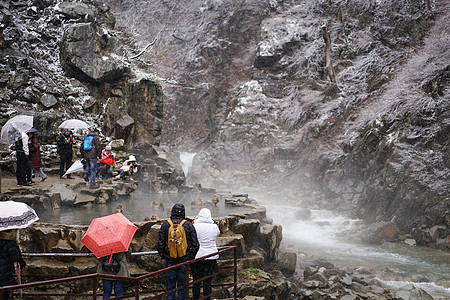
(119, 267)
(13, 215)
(65, 141)
(22, 152)
(109, 239)
(9, 254)
(35, 154)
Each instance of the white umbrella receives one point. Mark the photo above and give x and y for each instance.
(77, 166)
(14, 127)
(15, 215)
(74, 124)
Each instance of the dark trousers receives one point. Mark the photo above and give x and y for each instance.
(104, 172)
(7, 295)
(29, 172)
(201, 269)
(22, 168)
(66, 161)
(108, 287)
(175, 278)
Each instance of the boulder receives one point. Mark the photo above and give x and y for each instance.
(74, 238)
(48, 100)
(67, 196)
(268, 285)
(63, 246)
(247, 228)
(378, 232)
(303, 214)
(82, 55)
(46, 237)
(410, 242)
(151, 240)
(117, 144)
(388, 232)
(123, 126)
(231, 239)
(83, 11)
(287, 260)
(271, 236)
(409, 291)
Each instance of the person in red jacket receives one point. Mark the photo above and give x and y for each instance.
(35, 154)
(105, 163)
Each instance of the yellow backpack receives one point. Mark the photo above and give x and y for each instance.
(177, 242)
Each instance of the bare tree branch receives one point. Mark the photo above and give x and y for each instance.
(146, 47)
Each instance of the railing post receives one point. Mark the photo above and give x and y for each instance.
(186, 286)
(136, 290)
(94, 287)
(1, 294)
(235, 273)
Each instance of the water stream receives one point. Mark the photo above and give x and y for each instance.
(321, 236)
(395, 265)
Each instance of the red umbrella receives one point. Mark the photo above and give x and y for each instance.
(108, 235)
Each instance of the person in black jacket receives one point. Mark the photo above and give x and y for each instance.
(177, 277)
(65, 141)
(9, 253)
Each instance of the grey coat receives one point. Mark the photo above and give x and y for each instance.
(124, 269)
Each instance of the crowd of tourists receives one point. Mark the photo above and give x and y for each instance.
(179, 240)
(96, 161)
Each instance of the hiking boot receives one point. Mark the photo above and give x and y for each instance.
(69, 177)
(43, 179)
(26, 184)
(94, 186)
(86, 177)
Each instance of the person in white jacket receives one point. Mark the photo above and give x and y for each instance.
(23, 165)
(207, 232)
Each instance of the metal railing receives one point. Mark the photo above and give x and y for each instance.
(154, 293)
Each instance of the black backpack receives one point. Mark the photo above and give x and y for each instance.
(111, 264)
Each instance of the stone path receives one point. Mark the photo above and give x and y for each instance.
(8, 181)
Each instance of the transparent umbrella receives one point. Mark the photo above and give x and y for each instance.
(14, 127)
(77, 166)
(74, 124)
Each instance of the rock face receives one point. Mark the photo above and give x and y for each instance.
(248, 86)
(373, 140)
(83, 55)
(73, 67)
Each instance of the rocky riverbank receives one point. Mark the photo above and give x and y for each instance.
(266, 269)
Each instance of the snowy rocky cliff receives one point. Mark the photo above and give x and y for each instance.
(256, 90)
(348, 98)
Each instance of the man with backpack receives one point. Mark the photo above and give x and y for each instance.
(91, 151)
(177, 243)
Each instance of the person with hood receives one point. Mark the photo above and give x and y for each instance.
(23, 165)
(91, 151)
(65, 141)
(177, 277)
(35, 154)
(9, 254)
(128, 168)
(108, 159)
(207, 232)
